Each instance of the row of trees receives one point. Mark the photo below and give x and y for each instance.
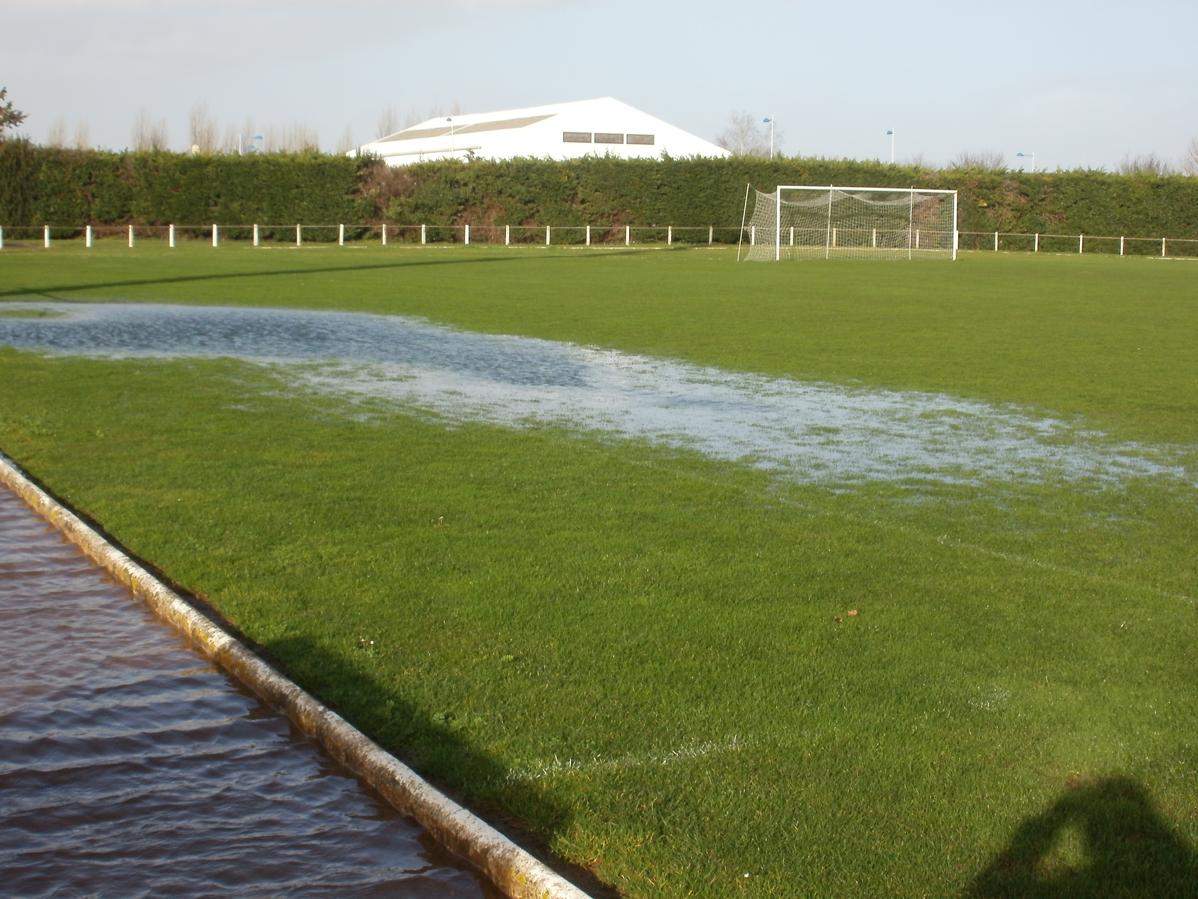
(206, 135)
(746, 135)
(743, 135)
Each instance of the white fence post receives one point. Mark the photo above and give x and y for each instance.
(917, 238)
(257, 236)
(130, 236)
(384, 230)
(752, 235)
(547, 235)
(87, 237)
(341, 235)
(1162, 247)
(1036, 245)
(996, 241)
(1121, 246)
(507, 235)
(669, 235)
(834, 230)
(215, 234)
(874, 239)
(1081, 243)
(628, 235)
(299, 237)
(423, 234)
(170, 235)
(588, 235)
(46, 236)
(710, 234)
(1, 237)
(467, 235)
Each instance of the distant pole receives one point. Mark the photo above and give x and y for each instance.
(451, 141)
(890, 134)
(1031, 156)
(769, 120)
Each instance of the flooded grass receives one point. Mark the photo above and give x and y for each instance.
(811, 432)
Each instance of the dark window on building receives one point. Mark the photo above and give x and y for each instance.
(602, 137)
(576, 137)
(640, 139)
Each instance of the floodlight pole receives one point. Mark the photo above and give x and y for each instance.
(1031, 156)
(769, 120)
(451, 142)
(890, 134)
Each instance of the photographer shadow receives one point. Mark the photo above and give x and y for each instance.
(1126, 849)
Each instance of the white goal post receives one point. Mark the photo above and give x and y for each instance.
(806, 222)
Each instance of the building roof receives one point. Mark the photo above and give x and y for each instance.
(603, 126)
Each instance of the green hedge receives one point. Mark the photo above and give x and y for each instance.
(40, 185)
(711, 192)
(43, 185)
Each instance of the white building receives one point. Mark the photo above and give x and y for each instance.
(561, 131)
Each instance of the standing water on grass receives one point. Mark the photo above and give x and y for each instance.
(130, 766)
(810, 431)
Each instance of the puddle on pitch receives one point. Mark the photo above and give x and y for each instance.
(811, 432)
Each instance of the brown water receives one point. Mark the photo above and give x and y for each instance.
(129, 765)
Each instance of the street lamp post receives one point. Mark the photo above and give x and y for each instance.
(1032, 156)
(890, 134)
(769, 120)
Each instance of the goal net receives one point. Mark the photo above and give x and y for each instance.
(854, 222)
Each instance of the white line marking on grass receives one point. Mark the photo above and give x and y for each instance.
(556, 767)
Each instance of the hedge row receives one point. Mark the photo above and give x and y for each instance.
(43, 185)
(40, 185)
(711, 192)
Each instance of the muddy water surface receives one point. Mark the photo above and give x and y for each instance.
(129, 765)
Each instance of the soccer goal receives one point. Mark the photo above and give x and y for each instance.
(801, 222)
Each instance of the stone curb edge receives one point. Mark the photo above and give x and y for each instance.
(512, 869)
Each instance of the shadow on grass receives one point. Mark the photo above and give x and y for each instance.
(434, 748)
(1101, 838)
(48, 290)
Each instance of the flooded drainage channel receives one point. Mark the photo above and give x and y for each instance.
(131, 765)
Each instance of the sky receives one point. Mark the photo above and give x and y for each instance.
(1080, 84)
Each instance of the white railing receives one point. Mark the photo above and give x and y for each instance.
(389, 234)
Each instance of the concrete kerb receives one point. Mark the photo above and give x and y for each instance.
(510, 868)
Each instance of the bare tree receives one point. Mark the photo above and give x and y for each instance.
(745, 136)
(346, 142)
(1189, 163)
(229, 141)
(986, 160)
(149, 134)
(56, 136)
(1145, 164)
(201, 129)
(295, 137)
(82, 136)
(388, 122)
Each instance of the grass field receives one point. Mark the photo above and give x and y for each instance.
(692, 675)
